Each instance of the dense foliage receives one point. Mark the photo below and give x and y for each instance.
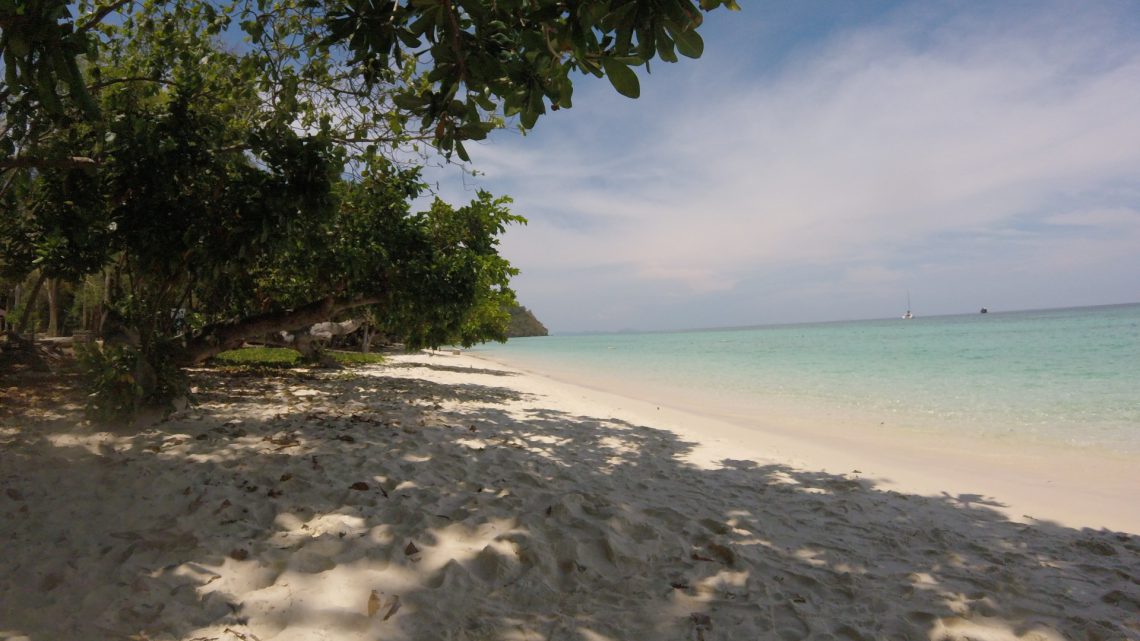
(199, 173)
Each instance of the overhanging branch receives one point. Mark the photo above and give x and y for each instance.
(219, 337)
(32, 162)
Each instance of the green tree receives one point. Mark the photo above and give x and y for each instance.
(226, 190)
(451, 69)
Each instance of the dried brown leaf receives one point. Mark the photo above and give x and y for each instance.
(723, 553)
(359, 486)
(393, 608)
(411, 549)
(373, 604)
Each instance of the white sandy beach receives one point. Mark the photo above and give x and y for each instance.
(447, 497)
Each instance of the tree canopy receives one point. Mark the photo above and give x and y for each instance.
(454, 68)
(229, 169)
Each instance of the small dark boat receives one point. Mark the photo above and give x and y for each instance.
(984, 311)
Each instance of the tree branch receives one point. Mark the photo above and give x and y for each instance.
(114, 81)
(453, 21)
(32, 162)
(98, 16)
(219, 337)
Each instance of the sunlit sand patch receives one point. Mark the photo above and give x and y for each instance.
(394, 520)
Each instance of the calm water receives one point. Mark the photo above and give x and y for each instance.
(1068, 376)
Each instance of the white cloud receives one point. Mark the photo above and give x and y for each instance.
(1112, 218)
(860, 151)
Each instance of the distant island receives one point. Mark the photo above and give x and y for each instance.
(524, 323)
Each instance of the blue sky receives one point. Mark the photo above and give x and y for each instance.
(823, 159)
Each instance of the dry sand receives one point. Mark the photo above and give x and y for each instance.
(442, 497)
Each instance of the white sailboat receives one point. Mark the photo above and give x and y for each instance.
(907, 315)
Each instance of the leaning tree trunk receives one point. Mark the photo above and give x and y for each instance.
(219, 337)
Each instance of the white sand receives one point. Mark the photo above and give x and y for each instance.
(1076, 487)
(444, 497)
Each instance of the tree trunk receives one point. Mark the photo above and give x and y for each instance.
(220, 337)
(365, 339)
(30, 305)
(53, 307)
(101, 311)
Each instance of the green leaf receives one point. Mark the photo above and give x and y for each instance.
(690, 44)
(622, 78)
(665, 46)
(459, 149)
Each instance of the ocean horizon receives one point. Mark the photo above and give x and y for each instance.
(717, 328)
(1064, 377)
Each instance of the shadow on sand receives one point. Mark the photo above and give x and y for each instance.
(388, 507)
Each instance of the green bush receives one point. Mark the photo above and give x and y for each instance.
(109, 374)
(356, 358)
(276, 357)
(121, 380)
(260, 357)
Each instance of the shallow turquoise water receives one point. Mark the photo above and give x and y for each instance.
(1069, 376)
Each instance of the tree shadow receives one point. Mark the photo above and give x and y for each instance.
(452, 368)
(384, 507)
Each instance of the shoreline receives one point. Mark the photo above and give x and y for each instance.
(444, 497)
(1075, 487)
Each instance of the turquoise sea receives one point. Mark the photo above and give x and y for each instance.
(1065, 377)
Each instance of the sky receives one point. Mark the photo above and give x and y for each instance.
(824, 160)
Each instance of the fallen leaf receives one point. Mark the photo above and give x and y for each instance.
(346, 438)
(411, 549)
(393, 608)
(373, 604)
(360, 486)
(286, 476)
(50, 582)
(697, 557)
(723, 553)
(196, 503)
(239, 554)
(226, 503)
